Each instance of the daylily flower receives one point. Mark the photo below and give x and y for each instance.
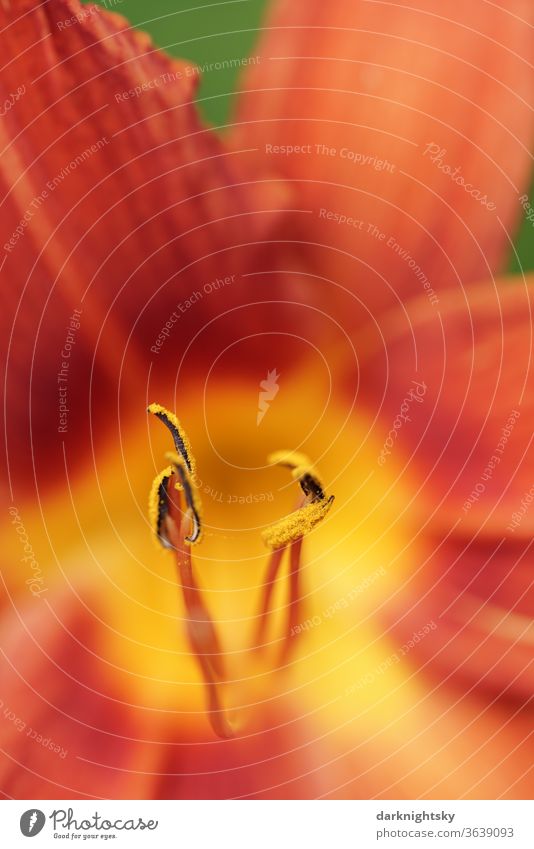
(321, 279)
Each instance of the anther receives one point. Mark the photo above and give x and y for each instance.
(180, 438)
(289, 532)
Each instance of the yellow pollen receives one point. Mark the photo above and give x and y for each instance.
(296, 524)
(181, 440)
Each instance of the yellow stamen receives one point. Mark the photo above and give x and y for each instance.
(183, 463)
(289, 532)
(158, 504)
(178, 526)
(181, 440)
(296, 524)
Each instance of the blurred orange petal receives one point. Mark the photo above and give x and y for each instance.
(466, 448)
(62, 713)
(117, 203)
(72, 726)
(481, 596)
(379, 111)
(469, 436)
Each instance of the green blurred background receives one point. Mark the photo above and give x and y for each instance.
(206, 31)
(202, 31)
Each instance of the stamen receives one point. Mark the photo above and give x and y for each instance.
(296, 524)
(179, 530)
(290, 531)
(158, 505)
(181, 440)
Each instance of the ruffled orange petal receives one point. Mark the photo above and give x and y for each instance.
(408, 131)
(117, 206)
(455, 397)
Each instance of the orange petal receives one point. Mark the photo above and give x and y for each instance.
(71, 727)
(118, 203)
(431, 742)
(479, 597)
(465, 377)
(61, 712)
(377, 110)
(465, 447)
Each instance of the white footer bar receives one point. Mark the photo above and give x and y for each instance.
(269, 824)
